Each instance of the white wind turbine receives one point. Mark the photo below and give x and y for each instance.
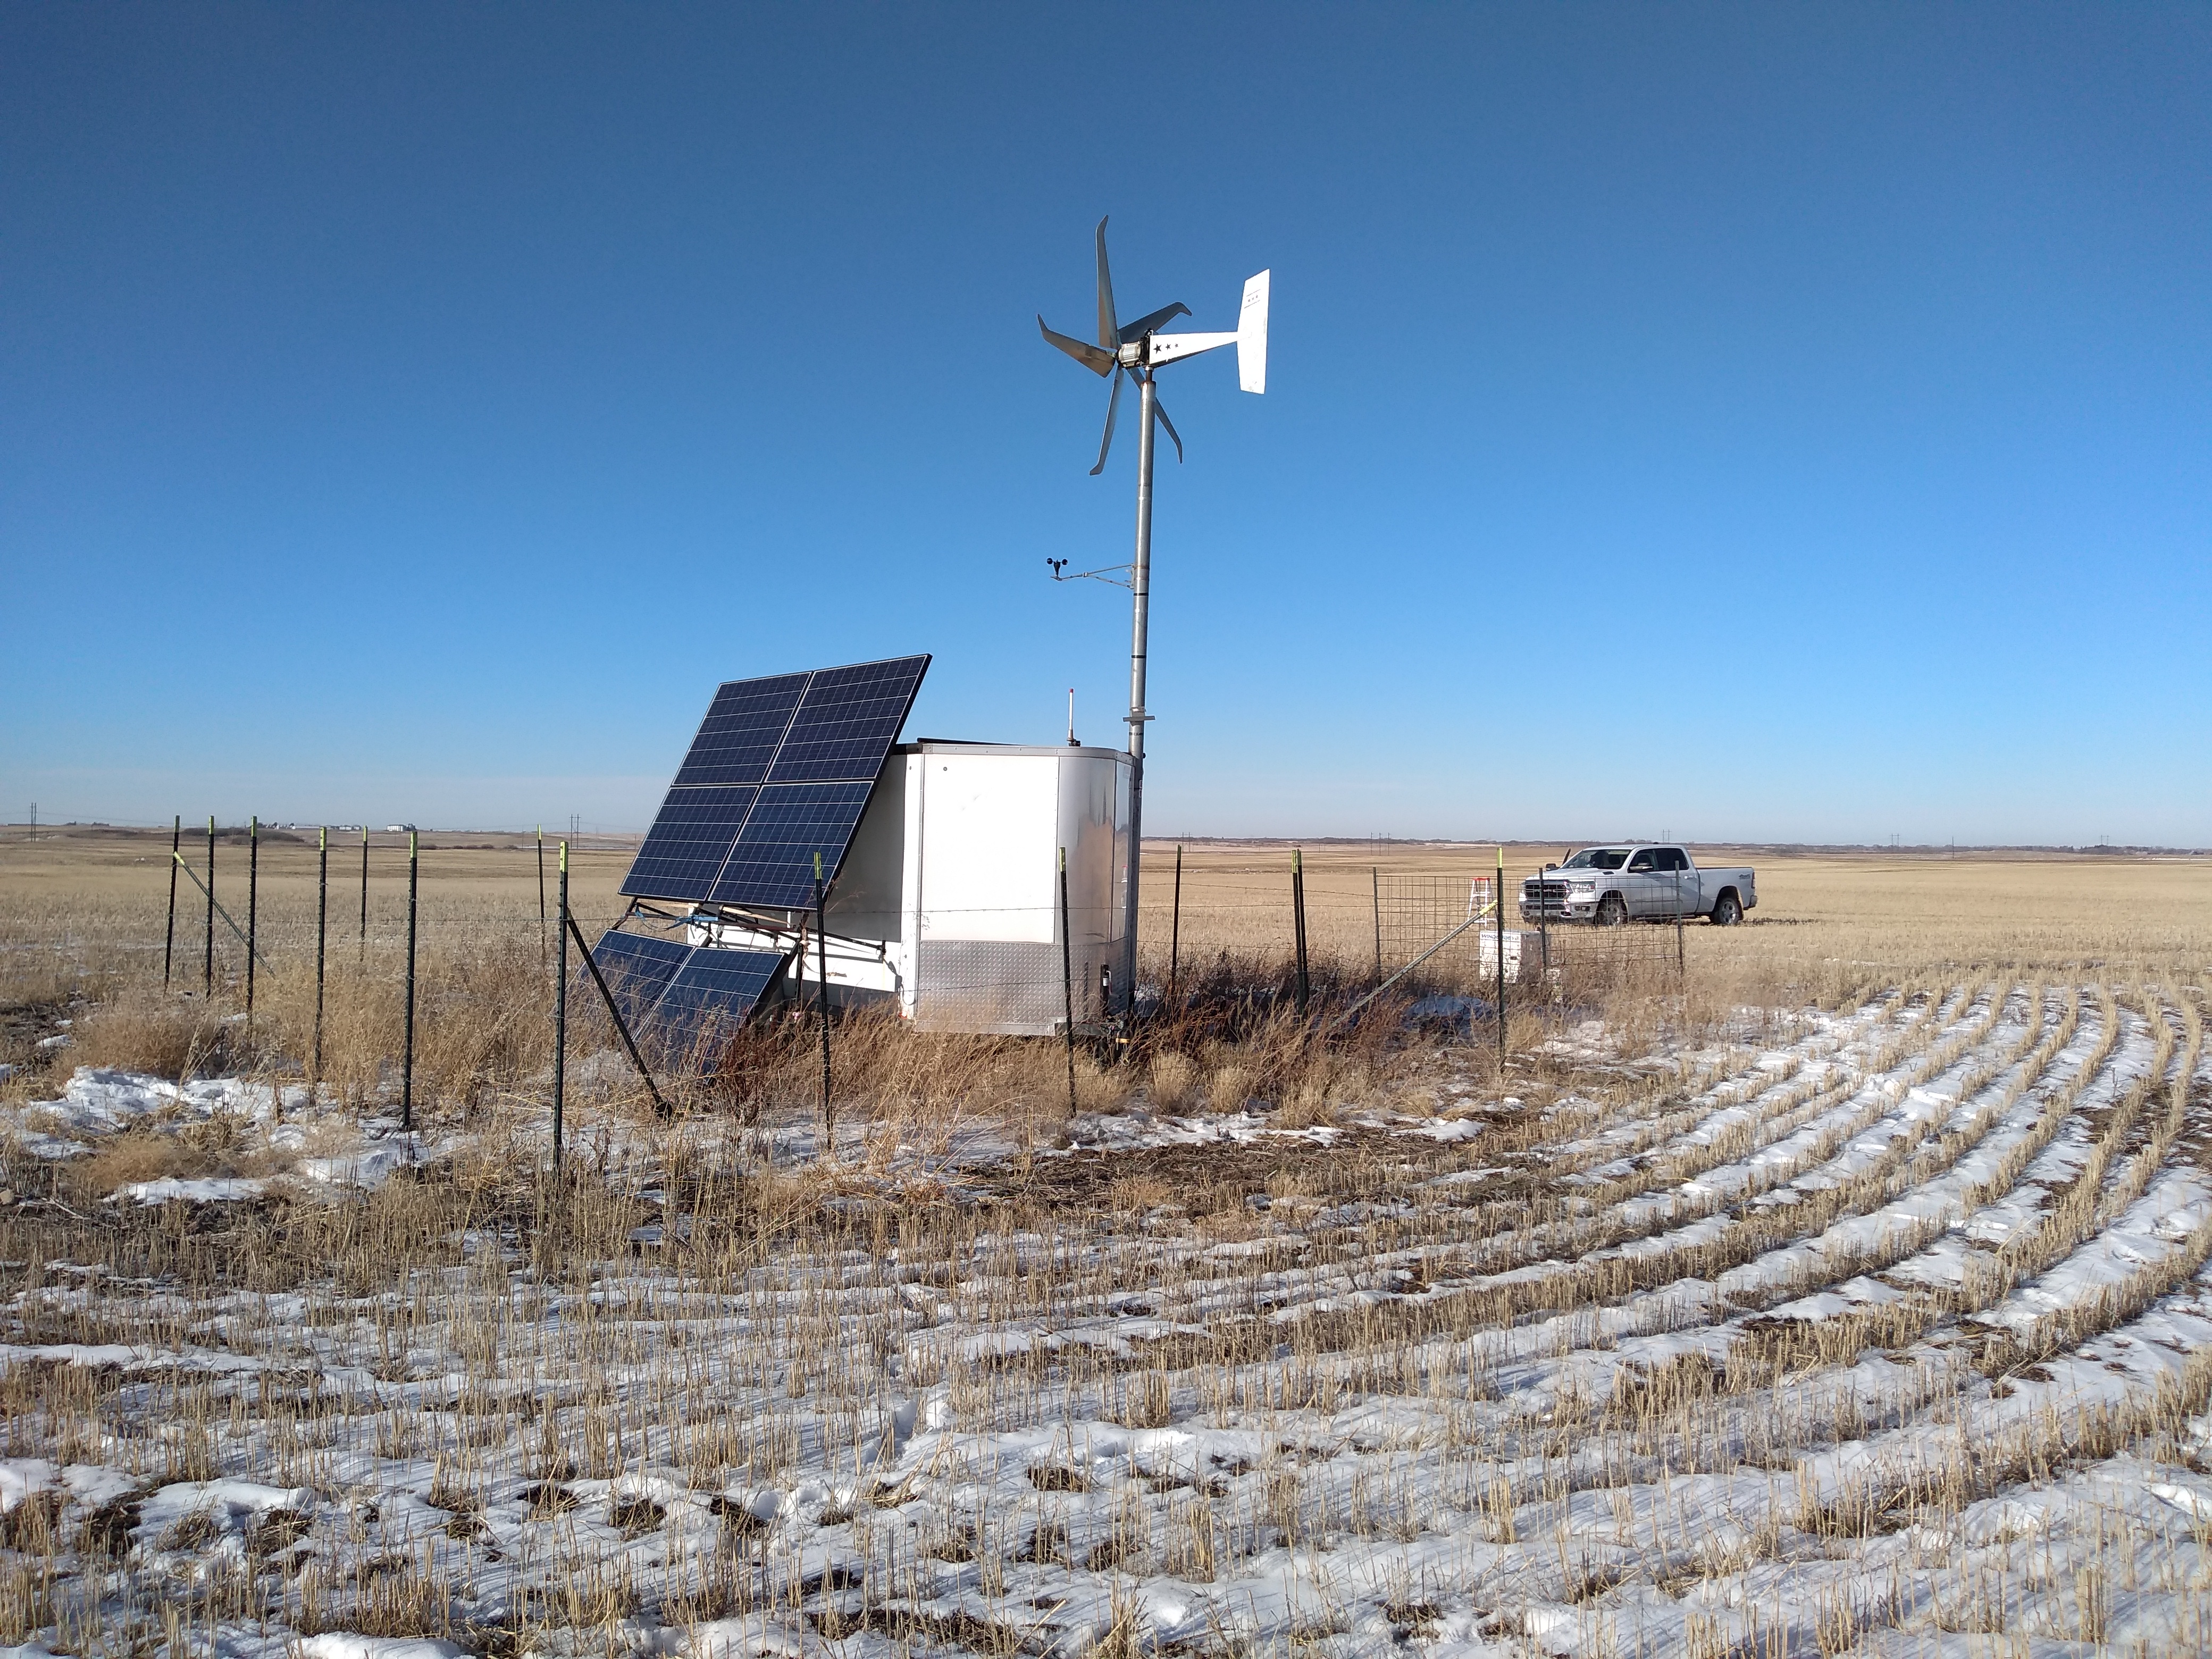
(1137, 350)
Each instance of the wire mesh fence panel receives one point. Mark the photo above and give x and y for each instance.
(1416, 914)
(1581, 946)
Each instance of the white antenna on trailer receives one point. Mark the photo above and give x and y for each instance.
(1136, 350)
(1070, 717)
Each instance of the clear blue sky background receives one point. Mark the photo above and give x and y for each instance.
(1744, 422)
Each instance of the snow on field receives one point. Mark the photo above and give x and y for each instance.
(1892, 1337)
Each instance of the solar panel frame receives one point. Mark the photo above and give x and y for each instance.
(689, 841)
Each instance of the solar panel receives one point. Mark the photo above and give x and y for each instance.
(817, 739)
(711, 995)
(743, 724)
(848, 722)
(683, 1001)
(689, 842)
(637, 968)
(771, 866)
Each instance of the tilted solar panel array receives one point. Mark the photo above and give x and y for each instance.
(779, 773)
(671, 994)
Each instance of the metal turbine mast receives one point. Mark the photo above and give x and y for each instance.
(1137, 349)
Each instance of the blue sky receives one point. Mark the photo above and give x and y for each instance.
(1752, 422)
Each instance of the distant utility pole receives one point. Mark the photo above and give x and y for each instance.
(34, 815)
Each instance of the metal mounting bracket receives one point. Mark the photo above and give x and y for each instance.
(1107, 573)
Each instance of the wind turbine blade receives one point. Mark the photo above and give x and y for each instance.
(1160, 410)
(1109, 335)
(1252, 335)
(1113, 404)
(1145, 325)
(1098, 361)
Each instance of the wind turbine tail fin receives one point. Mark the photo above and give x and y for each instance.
(1252, 335)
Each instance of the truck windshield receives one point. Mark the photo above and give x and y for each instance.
(1597, 858)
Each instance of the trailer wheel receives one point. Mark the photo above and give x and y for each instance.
(1728, 909)
(1611, 910)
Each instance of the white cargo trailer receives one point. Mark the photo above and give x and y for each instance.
(948, 902)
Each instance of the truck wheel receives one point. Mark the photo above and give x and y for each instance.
(1611, 910)
(1727, 911)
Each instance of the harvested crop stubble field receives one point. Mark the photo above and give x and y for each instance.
(1848, 1293)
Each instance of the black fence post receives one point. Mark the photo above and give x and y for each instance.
(364, 894)
(1543, 922)
(822, 956)
(561, 1015)
(1298, 917)
(322, 938)
(1067, 978)
(252, 907)
(169, 938)
(207, 964)
(407, 1063)
(1175, 922)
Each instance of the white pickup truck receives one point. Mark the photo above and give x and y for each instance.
(1610, 885)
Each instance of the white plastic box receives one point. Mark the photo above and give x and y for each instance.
(1521, 946)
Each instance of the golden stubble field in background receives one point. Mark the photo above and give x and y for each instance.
(1891, 912)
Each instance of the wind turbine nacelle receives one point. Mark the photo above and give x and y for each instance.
(1250, 339)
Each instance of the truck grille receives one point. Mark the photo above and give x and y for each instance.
(1552, 895)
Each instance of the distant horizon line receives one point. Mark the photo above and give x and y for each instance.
(291, 827)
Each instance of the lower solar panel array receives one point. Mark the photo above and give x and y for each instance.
(684, 1000)
(637, 969)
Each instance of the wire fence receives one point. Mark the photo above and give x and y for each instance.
(440, 966)
(1332, 930)
(1427, 913)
